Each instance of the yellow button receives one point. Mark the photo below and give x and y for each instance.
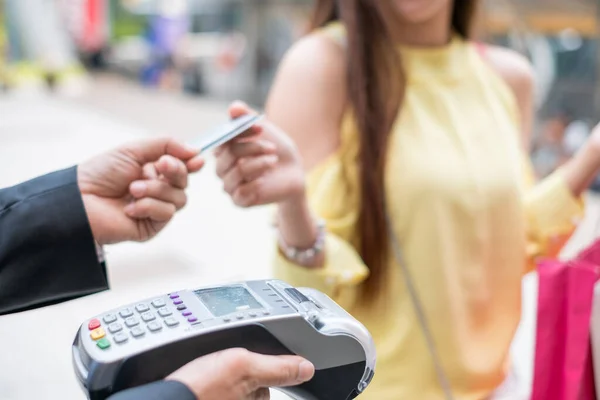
(98, 334)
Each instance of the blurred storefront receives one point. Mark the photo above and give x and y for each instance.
(231, 49)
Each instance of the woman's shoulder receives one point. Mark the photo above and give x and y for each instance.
(308, 97)
(314, 66)
(319, 52)
(514, 68)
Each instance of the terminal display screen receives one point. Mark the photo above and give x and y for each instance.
(227, 300)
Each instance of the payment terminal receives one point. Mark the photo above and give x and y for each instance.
(146, 341)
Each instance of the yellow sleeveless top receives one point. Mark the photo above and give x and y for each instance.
(470, 221)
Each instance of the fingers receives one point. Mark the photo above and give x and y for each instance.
(267, 190)
(238, 373)
(254, 193)
(176, 173)
(159, 190)
(262, 371)
(147, 151)
(239, 108)
(247, 170)
(195, 164)
(231, 153)
(173, 170)
(149, 171)
(165, 181)
(148, 208)
(247, 194)
(250, 134)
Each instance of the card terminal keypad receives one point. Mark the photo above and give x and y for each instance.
(158, 303)
(121, 337)
(126, 312)
(109, 318)
(148, 316)
(142, 307)
(115, 327)
(156, 315)
(137, 332)
(134, 322)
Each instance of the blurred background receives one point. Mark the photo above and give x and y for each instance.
(230, 49)
(81, 76)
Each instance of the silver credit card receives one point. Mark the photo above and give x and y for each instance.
(225, 132)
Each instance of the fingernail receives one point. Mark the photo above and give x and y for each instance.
(129, 208)
(273, 159)
(138, 188)
(270, 146)
(168, 163)
(239, 103)
(305, 371)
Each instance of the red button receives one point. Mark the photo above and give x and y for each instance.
(93, 324)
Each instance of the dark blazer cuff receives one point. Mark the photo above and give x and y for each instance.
(47, 251)
(163, 390)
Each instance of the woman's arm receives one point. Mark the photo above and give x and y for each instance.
(307, 101)
(552, 206)
(580, 171)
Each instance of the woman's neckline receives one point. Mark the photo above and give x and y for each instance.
(434, 50)
(446, 61)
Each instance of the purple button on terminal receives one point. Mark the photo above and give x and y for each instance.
(174, 296)
(186, 313)
(177, 302)
(192, 319)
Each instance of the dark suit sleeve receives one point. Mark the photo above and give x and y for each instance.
(163, 390)
(47, 251)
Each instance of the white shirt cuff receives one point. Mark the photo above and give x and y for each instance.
(100, 252)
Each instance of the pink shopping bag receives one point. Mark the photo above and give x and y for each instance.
(563, 359)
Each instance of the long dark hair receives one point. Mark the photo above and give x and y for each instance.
(376, 89)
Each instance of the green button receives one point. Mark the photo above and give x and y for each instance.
(103, 343)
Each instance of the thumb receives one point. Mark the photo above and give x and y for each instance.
(239, 108)
(147, 151)
(278, 371)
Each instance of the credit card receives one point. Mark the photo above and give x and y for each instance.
(225, 132)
